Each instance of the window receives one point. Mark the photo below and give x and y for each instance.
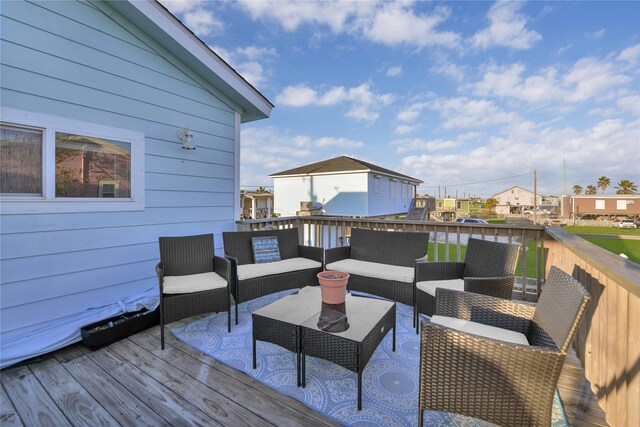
(376, 184)
(621, 205)
(404, 190)
(392, 189)
(20, 161)
(599, 204)
(458, 205)
(52, 164)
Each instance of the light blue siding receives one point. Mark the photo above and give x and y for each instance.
(71, 59)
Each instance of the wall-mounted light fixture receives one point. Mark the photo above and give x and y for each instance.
(186, 136)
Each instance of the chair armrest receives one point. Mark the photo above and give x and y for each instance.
(312, 252)
(336, 254)
(439, 271)
(222, 266)
(233, 273)
(160, 274)
(500, 287)
(463, 373)
(492, 311)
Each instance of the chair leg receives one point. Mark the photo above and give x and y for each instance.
(420, 417)
(236, 312)
(161, 335)
(228, 313)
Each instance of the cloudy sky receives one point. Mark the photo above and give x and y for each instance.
(472, 96)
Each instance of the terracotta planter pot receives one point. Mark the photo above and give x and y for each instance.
(333, 286)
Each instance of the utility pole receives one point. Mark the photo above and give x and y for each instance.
(535, 197)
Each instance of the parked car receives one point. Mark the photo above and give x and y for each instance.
(471, 221)
(626, 223)
(527, 212)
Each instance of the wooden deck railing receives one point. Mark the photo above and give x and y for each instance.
(608, 341)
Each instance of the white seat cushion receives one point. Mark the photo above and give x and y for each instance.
(374, 269)
(192, 283)
(251, 271)
(481, 329)
(430, 286)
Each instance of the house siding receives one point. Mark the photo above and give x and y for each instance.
(341, 194)
(381, 203)
(75, 60)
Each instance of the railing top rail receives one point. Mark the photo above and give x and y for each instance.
(626, 273)
(327, 218)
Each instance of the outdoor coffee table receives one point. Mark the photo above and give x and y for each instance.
(369, 319)
(279, 322)
(284, 321)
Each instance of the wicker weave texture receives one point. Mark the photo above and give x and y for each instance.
(237, 244)
(388, 247)
(500, 382)
(185, 255)
(485, 258)
(390, 289)
(284, 334)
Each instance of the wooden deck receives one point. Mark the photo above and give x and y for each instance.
(134, 383)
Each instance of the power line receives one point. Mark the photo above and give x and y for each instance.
(476, 182)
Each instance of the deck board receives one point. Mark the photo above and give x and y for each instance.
(133, 382)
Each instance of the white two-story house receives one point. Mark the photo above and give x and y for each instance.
(515, 200)
(345, 186)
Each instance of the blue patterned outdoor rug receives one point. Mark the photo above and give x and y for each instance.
(389, 381)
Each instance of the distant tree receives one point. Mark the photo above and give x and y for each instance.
(491, 204)
(577, 190)
(591, 190)
(626, 187)
(603, 183)
(261, 190)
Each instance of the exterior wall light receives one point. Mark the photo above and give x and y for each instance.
(186, 136)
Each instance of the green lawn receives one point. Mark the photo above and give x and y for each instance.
(580, 229)
(630, 248)
(531, 256)
(496, 221)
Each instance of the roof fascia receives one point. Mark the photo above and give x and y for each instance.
(345, 173)
(169, 32)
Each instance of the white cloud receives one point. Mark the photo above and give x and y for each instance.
(596, 34)
(586, 151)
(587, 79)
(389, 23)
(338, 142)
(245, 61)
(630, 103)
(630, 55)
(419, 144)
(411, 112)
(449, 69)
(396, 23)
(564, 49)
(195, 16)
(404, 129)
(463, 112)
(394, 71)
(508, 28)
(363, 102)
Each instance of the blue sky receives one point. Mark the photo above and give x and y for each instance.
(471, 96)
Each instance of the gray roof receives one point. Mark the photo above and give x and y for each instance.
(341, 164)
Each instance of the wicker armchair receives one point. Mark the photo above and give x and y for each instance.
(494, 380)
(488, 269)
(192, 279)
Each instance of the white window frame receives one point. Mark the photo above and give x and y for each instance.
(621, 205)
(600, 204)
(47, 202)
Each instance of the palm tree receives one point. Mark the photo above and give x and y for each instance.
(577, 190)
(603, 183)
(626, 187)
(261, 190)
(591, 190)
(491, 204)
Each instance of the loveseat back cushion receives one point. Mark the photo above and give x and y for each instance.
(238, 243)
(374, 270)
(388, 247)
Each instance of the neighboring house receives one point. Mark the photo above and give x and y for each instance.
(256, 205)
(618, 206)
(345, 186)
(93, 98)
(515, 200)
(448, 209)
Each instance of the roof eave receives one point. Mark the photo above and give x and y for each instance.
(279, 175)
(167, 30)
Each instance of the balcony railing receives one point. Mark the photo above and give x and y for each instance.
(607, 343)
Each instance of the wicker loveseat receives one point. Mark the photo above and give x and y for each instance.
(380, 262)
(297, 268)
